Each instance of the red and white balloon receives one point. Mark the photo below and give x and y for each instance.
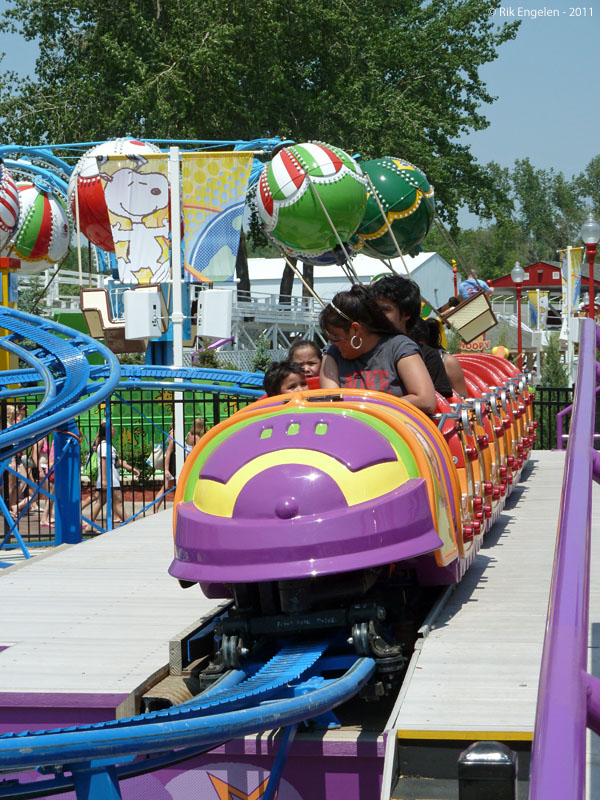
(93, 215)
(9, 205)
(44, 230)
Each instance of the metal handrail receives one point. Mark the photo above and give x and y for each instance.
(568, 697)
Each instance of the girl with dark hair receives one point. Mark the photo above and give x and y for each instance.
(400, 300)
(307, 354)
(423, 333)
(454, 371)
(367, 353)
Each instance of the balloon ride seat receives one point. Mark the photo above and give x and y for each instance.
(95, 306)
(472, 317)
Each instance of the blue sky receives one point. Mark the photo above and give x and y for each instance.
(547, 83)
(548, 89)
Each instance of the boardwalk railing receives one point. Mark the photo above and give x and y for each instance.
(568, 697)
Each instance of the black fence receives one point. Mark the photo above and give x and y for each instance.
(548, 402)
(143, 420)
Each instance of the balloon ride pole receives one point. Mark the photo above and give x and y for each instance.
(7, 267)
(334, 229)
(177, 314)
(78, 226)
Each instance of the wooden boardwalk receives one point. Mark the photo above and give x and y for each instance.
(478, 669)
(477, 673)
(96, 617)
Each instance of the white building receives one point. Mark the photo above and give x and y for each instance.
(429, 270)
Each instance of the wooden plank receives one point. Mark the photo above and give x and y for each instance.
(96, 617)
(479, 668)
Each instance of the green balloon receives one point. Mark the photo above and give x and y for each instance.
(406, 198)
(311, 196)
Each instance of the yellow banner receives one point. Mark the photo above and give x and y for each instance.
(538, 306)
(577, 254)
(214, 195)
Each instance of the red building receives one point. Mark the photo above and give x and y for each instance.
(544, 275)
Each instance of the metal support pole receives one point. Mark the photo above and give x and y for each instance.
(519, 328)
(539, 339)
(569, 311)
(67, 484)
(282, 753)
(177, 314)
(590, 250)
(109, 481)
(5, 479)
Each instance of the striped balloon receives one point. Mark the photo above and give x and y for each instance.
(405, 198)
(44, 231)
(9, 205)
(311, 196)
(93, 214)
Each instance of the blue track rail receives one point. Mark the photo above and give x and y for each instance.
(287, 690)
(70, 384)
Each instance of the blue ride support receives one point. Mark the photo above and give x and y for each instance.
(96, 781)
(67, 484)
(283, 752)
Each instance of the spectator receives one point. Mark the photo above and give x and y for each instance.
(195, 433)
(102, 481)
(472, 285)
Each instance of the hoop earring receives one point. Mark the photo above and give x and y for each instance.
(356, 346)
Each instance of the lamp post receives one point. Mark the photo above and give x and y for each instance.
(455, 276)
(590, 233)
(517, 275)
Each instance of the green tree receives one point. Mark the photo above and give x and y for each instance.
(205, 358)
(262, 356)
(371, 76)
(30, 296)
(554, 372)
(588, 184)
(541, 212)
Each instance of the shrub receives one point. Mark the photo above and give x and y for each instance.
(262, 356)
